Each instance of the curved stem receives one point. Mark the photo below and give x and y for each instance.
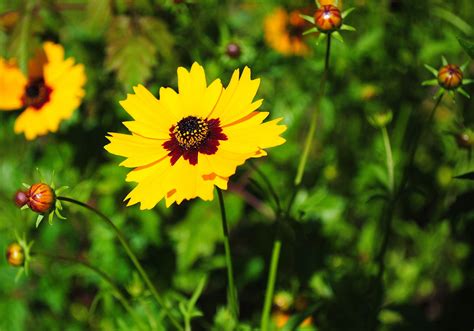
(314, 117)
(234, 306)
(117, 292)
(131, 255)
(389, 159)
(270, 284)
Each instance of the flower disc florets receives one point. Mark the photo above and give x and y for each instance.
(450, 76)
(328, 18)
(15, 255)
(37, 93)
(191, 132)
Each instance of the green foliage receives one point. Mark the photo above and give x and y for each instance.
(334, 233)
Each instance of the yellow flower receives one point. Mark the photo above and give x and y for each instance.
(185, 143)
(284, 32)
(50, 94)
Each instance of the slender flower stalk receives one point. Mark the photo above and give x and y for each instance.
(314, 118)
(232, 290)
(389, 159)
(116, 291)
(132, 257)
(271, 282)
(389, 209)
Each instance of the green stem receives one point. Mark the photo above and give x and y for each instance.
(131, 255)
(314, 117)
(117, 292)
(389, 159)
(270, 284)
(24, 36)
(269, 185)
(228, 259)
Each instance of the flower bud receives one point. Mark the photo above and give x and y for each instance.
(41, 198)
(328, 18)
(465, 139)
(21, 198)
(15, 255)
(233, 50)
(379, 119)
(450, 76)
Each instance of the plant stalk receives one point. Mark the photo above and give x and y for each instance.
(131, 255)
(234, 306)
(117, 292)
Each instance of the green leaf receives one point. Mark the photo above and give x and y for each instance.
(197, 293)
(295, 321)
(39, 219)
(132, 47)
(468, 46)
(467, 175)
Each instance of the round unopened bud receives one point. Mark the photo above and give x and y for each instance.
(328, 18)
(21, 198)
(465, 139)
(41, 198)
(15, 255)
(450, 76)
(379, 119)
(233, 50)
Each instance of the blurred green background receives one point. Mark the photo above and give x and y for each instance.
(328, 266)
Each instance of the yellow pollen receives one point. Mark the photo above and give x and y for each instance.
(191, 132)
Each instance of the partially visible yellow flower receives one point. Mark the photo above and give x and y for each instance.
(284, 32)
(50, 94)
(185, 142)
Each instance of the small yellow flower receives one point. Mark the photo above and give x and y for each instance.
(185, 143)
(284, 32)
(50, 94)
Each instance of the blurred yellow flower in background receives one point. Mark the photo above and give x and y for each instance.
(284, 32)
(49, 95)
(185, 143)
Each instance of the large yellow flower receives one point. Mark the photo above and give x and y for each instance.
(50, 94)
(185, 143)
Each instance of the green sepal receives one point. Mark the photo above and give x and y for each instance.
(346, 27)
(51, 217)
(346, 12)
(26, 185)
(430, 82)
(439, 93)
(443, 60)
(321, 38)
(452, 94)
(312, 30)
(432, 70)
(338, 36)
(464, 65)
(61, 190)
(24, 207)
(58, 214)
(39, 219)
(463, 92)
(317, 3)
(467, 81)
(308, 18)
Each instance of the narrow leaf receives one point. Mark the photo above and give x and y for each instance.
(468, 46)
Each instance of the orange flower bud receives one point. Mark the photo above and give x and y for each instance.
(21, 198)
(15, 255)
(328, 18)
(450, 76)
(41, 198)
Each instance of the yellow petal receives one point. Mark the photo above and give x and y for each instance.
(12, 85)
(236, 100)
(138, 150)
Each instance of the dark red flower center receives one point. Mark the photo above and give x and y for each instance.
(193, 135)
(37, 93)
